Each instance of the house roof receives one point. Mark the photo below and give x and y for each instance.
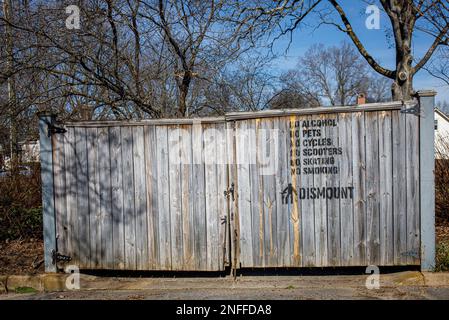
(442, 114)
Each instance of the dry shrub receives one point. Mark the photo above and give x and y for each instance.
(442, 178)
(21, 206)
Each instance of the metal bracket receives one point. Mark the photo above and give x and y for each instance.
(230, 191)
(52, 129)
(56, 257)
(415, 110)
(411, 253)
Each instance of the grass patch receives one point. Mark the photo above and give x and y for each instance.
(442, 256)
(25, 290)
(290, 287)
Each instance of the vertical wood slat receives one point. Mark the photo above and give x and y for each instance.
(198, 199)
(104, 164)
(152, 198)
(282, 209)
(140, 200)
(187, 190)
(222, 185)
(268, 151)
(163, 187)
(372, 188)
(399, 188)
(386, 188)
(359, 182)
(244, 194)
(412, 169)
(294, 179)
(94, 197)
(175, 197)
(82, 223)
(128, 198)
(333, 205)
(118, 237)
(307, 211)
(210, 157)
(60, 192)
(320, 207)
(346, 181)
(255, 185)
(70, 177)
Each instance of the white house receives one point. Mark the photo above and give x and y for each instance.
(441, 135)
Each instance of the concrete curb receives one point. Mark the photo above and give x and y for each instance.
(57, 282)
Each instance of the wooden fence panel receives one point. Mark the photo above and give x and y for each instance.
(311, 189)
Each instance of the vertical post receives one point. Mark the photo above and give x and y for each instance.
(48, 206)
(427, 179)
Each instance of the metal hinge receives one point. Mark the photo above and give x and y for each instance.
(52, 129)
(411, 253)
(230, 191)
(415, 110)
(56, 257)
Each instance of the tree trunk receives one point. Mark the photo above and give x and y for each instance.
(184, 91)
(12, 98)
(402, 88)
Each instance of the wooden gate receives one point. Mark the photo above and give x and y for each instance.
(322, 187)
(328, 188)
(142, 196)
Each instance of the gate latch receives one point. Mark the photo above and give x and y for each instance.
(230, 191)
(52, 129)
(56, 257)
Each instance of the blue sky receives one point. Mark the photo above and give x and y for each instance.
(374, 41)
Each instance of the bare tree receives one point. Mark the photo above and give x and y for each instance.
(333, 75)
(406, 17)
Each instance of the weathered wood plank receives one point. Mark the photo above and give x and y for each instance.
(198, 201)
(118, 231)
(386, 188)
(151, 171)
(256, 212)
(140, 199)
(372, 187)
(60, 192)
(333, 204)
(163, 187)
(70, 177)
(267, 158)
(320, 207)
(244, 194)
(233, 218)
(175, 198)
(346, 193)
(82, 198)
(104, 159)
(128, 198)
(359, 182)
(306, 203)
(412, 169)
(94, 197)
(222, 185)
(399, 188)
(294, 179)
(210, 157)
(282, 181)
(187, 190)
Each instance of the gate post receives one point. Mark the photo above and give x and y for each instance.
(427, 179)
(46, 120)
